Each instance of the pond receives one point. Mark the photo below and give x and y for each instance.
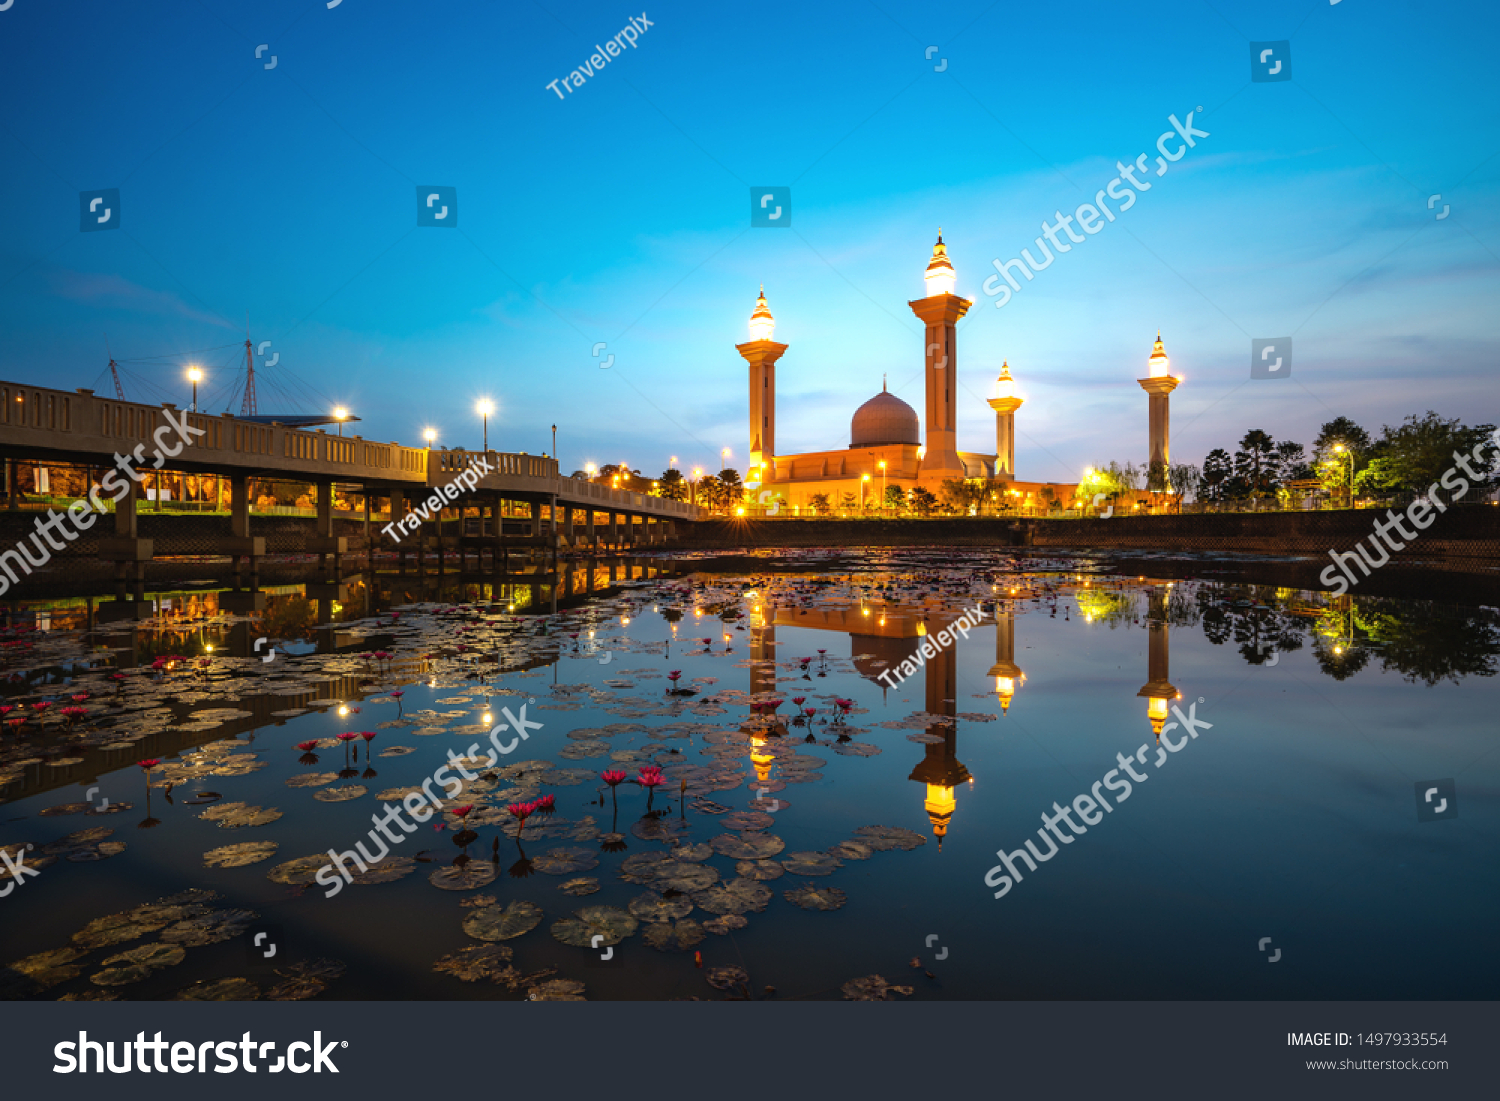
(809, 781)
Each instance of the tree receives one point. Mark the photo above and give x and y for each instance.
(1344, 431)
(962, 494)
(895, 496)
(922, 500)
(1049, 496)
(820, 504)
(672, 485)
(1185, 480)
(734, 489)
(713, 494)
(1411, 458)
(1218, 473)
(848, 500)
(1255, 462)
(1291, 462)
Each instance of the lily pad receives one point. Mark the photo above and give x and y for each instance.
(233, 816)
(565, 861)
(237, 856)
(760, 869)
(311, 779)
(135, 965)
(607, 922)
(727, 978)
(341, 794)
(304, 980)
(679, 875)
(388, 870)
(558, 990)
(748, 846)
(641, 867)
(480, 961)
(674, 936)
(748, 820)
(816, 897)
(873, 988)
(463, 877)
(670, 828)
(300, 872)
(495, 923)
(735, 897)
(857, 749)
(811, 863)
(210, 928)
(220, 990)
(47, 969)
(652, 907)
(851, 850)
(885, 838)
(583, 885)
(725, 923)
(693, 853)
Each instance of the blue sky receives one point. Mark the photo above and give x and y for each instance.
(621, 213)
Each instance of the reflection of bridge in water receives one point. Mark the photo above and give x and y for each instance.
(476, 489)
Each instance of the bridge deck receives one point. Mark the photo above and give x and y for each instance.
(82, 427)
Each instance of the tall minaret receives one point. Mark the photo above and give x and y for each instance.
(1005, 403)
(940, 311)
(761, 352)
(1159, 384)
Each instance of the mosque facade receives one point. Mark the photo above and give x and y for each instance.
(888, 443)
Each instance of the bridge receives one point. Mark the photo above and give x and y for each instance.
(97, 433)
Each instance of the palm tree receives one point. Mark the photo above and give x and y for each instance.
(672, 485)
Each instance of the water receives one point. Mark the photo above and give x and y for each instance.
(1294, 815)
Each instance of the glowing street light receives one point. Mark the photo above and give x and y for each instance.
(484, 409)
(194, 376)
(429, 434)
(340, 414)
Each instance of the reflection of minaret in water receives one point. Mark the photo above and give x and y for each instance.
(1157, 690)
(1007, 673)
(762, 678)
(940, 769)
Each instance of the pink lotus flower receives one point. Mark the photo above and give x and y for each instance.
(6, 710)
(80, 697)
(42, 707)
(367, 734)
(348, 736)
(307, 747)
(463, 812)
(674, 675)
(149, 763)
(650, 777)
(612, 777)
(799, 700)
(547, 804)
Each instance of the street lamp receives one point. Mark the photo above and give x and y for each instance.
(484, 409)
(862, 483)
(340, 414)
(195, 376)
(725, 456)
(429, 434)
(554, 441)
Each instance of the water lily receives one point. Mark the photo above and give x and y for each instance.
(614, 778)
(547, 805)
(521, 812)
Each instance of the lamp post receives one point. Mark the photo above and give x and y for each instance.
(484, 409)
(554, 443)
(340, 414)
(429, 434)
(882, 483)
(693, 485)
(863, 482)
(194, 375)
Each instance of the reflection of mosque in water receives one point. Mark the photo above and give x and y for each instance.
(882, 636)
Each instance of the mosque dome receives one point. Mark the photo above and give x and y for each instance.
(884, 419)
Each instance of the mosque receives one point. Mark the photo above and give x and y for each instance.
(886, 440)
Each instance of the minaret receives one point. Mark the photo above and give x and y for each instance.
(940, 312)
(1005, 670)
(1005, 403)
(761, 352)
(940, 769)
(1158, 690)
(1159, 384)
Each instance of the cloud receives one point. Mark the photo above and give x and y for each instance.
(114, 292)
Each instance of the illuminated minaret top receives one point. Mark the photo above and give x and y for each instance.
(1157, 365)
(763, 325)
(940, 277)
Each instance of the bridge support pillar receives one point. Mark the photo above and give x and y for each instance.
(324, 542)
(398, 514)
(126, 549)
(593, 537)
(241, 544)
(568, 524)
(614, 531)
